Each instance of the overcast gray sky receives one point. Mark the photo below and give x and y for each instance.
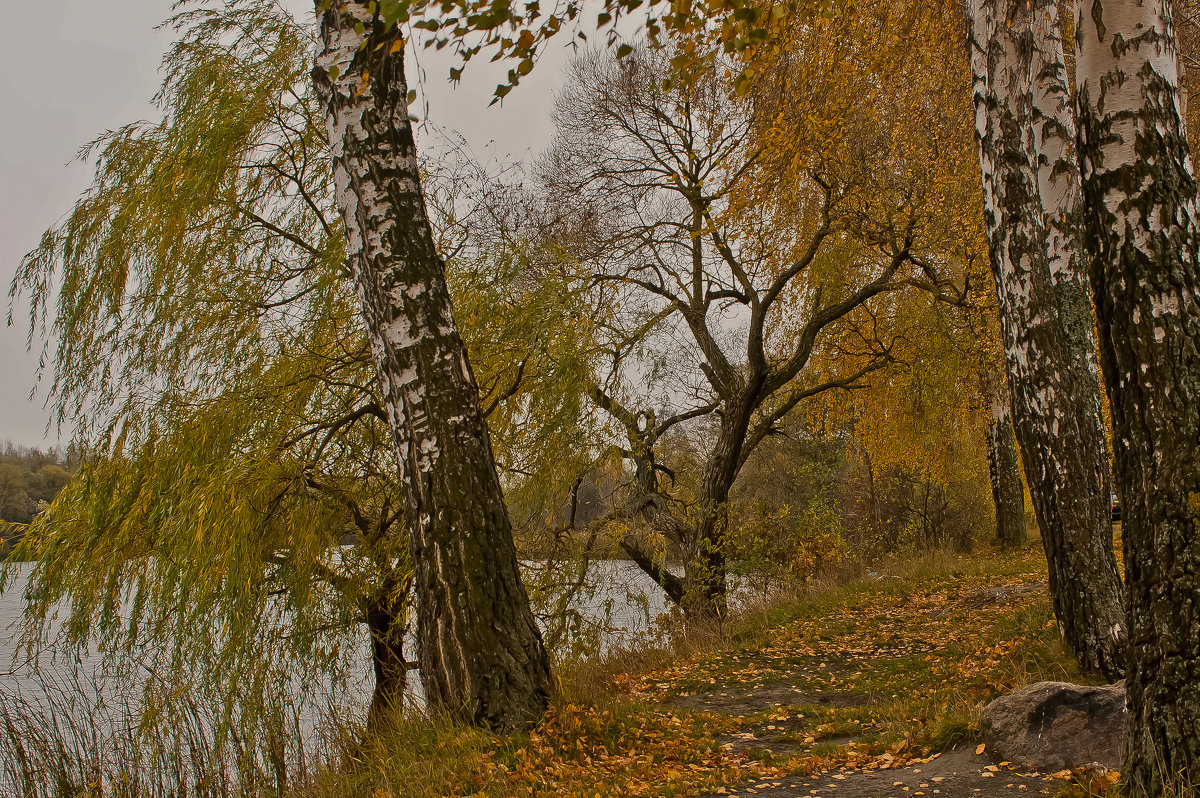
(86, 67)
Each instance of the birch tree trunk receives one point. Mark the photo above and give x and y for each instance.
(480, 653)
(1008, 494)
(1141, 206)
(1031, 196)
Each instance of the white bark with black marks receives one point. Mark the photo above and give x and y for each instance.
(1141, 203)
(1004, 467)
(1032, 212)
(480, 653)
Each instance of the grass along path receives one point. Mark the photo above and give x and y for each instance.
(871, 689)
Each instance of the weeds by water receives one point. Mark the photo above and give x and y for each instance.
(82, 736)
(914, 659)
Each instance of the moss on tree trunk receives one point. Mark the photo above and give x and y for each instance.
(1141, 212)
(480, 652)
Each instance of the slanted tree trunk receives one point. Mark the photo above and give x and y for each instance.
(1008, 494)
(1141, 220)
(702, 590)
(1031, 208)
(480, 653)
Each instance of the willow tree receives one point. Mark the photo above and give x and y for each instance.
(1141, 206)
(741, 295)
(930, 421)
(897, 70)
(940, 418)
(890, 79)
(209, 358)
(480, 650)
(242, 483)
(1025, 130)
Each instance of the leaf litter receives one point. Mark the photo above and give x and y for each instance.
(874, 689)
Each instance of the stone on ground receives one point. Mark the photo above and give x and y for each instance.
(1050, 726)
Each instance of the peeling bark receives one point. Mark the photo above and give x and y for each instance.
(1141, 205)
(1031, 194)
(481, 655)
(1008, 494)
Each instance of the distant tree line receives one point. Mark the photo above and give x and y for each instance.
(29, 480)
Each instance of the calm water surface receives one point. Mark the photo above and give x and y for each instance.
(619, 599)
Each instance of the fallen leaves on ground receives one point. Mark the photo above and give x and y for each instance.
(875, 676)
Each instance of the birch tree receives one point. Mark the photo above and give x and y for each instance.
(1004, 459)
(211, 356)
(209, 361)
(480, 651)
(1004, 468)
(1141, 203)
(1024, 129)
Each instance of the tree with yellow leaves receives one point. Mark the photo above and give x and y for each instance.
(754, 253)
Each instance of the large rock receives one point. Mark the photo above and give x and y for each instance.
(1051, 726)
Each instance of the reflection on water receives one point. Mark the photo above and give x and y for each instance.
(618, 606)
(60, 713)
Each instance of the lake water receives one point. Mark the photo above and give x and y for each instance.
(619, 604)
(66, 713)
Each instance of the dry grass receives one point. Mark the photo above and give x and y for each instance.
(616, 728)
(924, 653)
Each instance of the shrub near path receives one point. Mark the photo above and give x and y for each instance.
(870, 689)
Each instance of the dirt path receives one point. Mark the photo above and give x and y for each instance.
(959, 773)
(833, 693)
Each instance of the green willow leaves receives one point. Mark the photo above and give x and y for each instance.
(210, 355)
